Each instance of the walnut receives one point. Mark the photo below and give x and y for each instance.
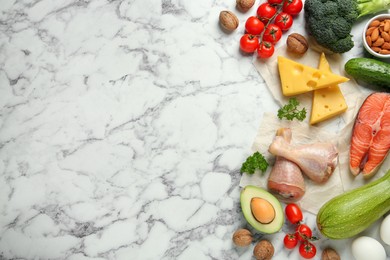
(297, 43)
(228, 20)
(244, 5)
(330, 254)
(263, 250)
(242, 237)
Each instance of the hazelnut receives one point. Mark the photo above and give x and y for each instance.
(297, 43)
(330, 254)
(263, 250)
(244, 5)
(228, 20)
(242, 237)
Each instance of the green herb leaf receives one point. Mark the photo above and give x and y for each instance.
(253, 162)
(291, 111)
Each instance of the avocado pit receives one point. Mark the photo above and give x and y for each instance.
(262, 210)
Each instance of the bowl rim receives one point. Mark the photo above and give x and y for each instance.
(380, 17)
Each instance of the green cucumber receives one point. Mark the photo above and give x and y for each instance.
(354, 211)
(370, 71)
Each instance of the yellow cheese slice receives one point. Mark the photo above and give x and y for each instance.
(297, 78)
(327, 102)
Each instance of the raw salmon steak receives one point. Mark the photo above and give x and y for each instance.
(370, 142)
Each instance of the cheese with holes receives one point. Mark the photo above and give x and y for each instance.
(297, 78)
(327, 102)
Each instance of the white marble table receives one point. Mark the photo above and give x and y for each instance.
(123, 126)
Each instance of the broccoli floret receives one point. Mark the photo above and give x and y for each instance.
(330, 21)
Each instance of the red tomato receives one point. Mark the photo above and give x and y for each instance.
(254, 26)
(275, 2)
(249, 43)
(303, 232)
(290, 241)
(284, 21)
(307, 250)
(265, 50)
(272, 33)
(292, 7)
(293, 213)
(265, 12)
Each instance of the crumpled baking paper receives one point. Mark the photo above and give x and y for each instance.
(337, 130)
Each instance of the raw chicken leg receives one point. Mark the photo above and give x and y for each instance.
(317, 160)
(286, 180)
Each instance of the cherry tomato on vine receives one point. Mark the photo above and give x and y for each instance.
(303, 232)
(284, 21)
(293, 213)
(290, 241)
(265, 50)
(292, 7)
(272, 33)
(254, 26)
(249, 43)
(275, 2)
(307, 250)
(265, 12)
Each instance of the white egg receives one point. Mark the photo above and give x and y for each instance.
(364, 248)
(385, 230)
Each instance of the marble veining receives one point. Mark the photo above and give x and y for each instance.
(123, 126)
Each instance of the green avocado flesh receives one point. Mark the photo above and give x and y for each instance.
(250, 192)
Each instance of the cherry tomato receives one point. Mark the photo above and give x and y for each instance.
(290, 241)
(275, 2)
(272, 33)
(254, 26)
(293, 213)
(284, 21)
(303, 232)
(265, 50)
(307, 250)
(265, 12)
(249, 43)
(292, 7)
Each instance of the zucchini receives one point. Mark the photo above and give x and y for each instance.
(350, 213)
(370, 71)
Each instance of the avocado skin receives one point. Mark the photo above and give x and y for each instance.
(352, 212)
(249, 192)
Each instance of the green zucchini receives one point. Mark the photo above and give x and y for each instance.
(352, 212)
(370, 71)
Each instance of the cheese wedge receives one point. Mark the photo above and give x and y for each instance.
(297, 78)
(327, 102)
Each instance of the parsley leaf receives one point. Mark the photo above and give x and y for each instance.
(253, 162)
(291, 111)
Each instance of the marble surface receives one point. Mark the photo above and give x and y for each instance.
(123, 126)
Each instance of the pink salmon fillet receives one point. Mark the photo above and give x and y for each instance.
(370, 142)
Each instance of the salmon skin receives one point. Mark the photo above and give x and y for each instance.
(370, 142)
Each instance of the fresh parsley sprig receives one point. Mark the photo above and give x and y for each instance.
(253, 162)
(291, 111)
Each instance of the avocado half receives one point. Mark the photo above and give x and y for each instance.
(250, 192)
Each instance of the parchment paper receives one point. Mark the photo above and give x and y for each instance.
(337, 130)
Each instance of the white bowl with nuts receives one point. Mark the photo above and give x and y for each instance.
(376, 36)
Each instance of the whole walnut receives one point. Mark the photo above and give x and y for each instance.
(242, 237)
(244, 5)
(263, 250)
(330, 254)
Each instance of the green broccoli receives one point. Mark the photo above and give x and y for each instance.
(330, 21)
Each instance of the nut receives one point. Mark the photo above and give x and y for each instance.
(297, 43)
(242, 237)
(245, 5)
(228, 20)
(263, 250)
(329, 254)
(378, 36)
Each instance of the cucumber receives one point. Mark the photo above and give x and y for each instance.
(352, 212)
(370, 71)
